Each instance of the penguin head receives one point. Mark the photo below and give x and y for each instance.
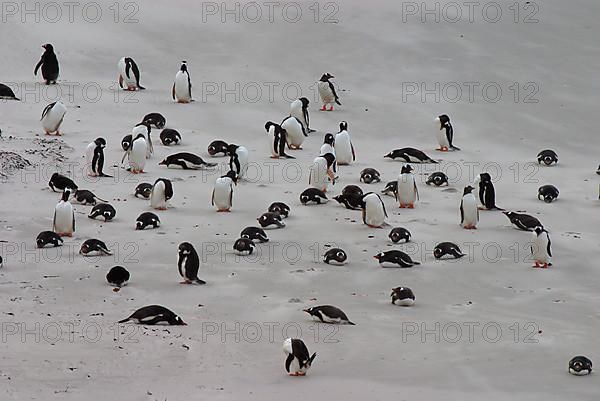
(100, 142)
(538, 230)
(66, 194)
(163, 162)
(468, 190)
(85, 248)
(326, 77)
(126, 142)
(231, 148)
(485, 177)
(437, 252)
(443, 120)
(311, 311)
(305, 365)
(406, 169)
(268, 125)
(231, 174)
(305, 102)
(343, 126)
(379, 256)
(48, 47)
(139, 225)
(329, 139)
(548, 198)
(177, 321)
(183, 66)
(185, 248)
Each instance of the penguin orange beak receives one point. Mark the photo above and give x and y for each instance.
(305, 310)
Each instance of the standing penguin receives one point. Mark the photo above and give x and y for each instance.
(222, 195)
(373, 210)
(541, 248)
(328, 145)
(94, 155)
(298, 359)
(277, 140)
(327, 92)
(188, 264)
(129, 74)
(407, 187)
(487, 193)
(136, 154)
(144, 129)
(322, 168)
(64, 216)
(344, 150)
(162, 191)
(52, 117)
(445, 133)
(238, 159)
(49, 64)
(182, 87)
(469, 213)
(299, 109)
(295, 132)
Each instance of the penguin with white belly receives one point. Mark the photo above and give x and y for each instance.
(64, 216)
(222, 195)
(277, 140)
(52, 117)
(144, 129)
(344, 150)
(162, 191)
(188, 264)
(445, 133)
(407, 187)
(322, 169)
(129, 74)
(373, 210)
(298, 359)
(238, 159)
(182, 87)
(94, 155)
(295, 132)
(327, 92)
(541, 248)
(469, 213)
(299, 109)
(136, 154)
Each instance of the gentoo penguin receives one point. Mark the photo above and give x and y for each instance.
(277, 140)
(580, 366)
(94, 155)
(281, 208)
(94, 246)
(410, 155)
(48, 237)
(154, 314)
(447, 248)
(391, 189)
(395, 258)
(328, 314)
(598, 171)
(335, 256)
(548, 157)
(52, 117)
(407, 187)
(6, 93)
(321, 171)
(238, 159)
(143, 128)
(298, 359)
(244, 246)
(182, 87)
(541, 248)
(548, 193)
(162, 191)
(328, 144)
(218, 148)
(222, 194)
(344, 150)
(147, 219)
(438, 179)
(295, 133)
(129, 74)
(370, 175)
(188, 264)
(254, 234)
(155, 119)
(49, 64)
(60, 182)
(136, 154)
(85, 197)
(469, 213)
(352, 190)
(299, 109)
(170, 137)
(104, 210)
(487, 192)
(445, 133)
(398, 234)
(186, 160)
(271, 220)
(313, 195)
(373, 210)
(350, 201)
(64, 216)
(118, 277)
(402, 296)
(327, 92)
(144, 190)
(126, 142)
(523, 221)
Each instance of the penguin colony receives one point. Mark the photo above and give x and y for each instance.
(283, 139)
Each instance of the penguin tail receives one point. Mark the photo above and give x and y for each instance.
(123, 321)
(106, 175)
(198, 281)
(140, 87)
(498, 208)
(432, 161)
(101, 200)
(210, 164)
(454, 147)
(310, 131)
(337, 101)
(351, 324)
(460, 255)
(416, 263)
(289, 157)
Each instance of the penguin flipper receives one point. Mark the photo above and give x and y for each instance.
(462, 213)
(548, 249)
(173, 91)
(353, 154)
(198, 281)
(120, 81)
(212, 200)
(37, 67)
(288, 362)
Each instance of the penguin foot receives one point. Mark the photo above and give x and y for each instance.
(330, 108)
(161, 208)
(411, 205)
(224, 211)
(442, 149)
(48, 133)
(402, 206)
(58, 133)
(117, 289)
(323, 108)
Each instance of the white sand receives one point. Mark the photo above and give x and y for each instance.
(372, 53)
